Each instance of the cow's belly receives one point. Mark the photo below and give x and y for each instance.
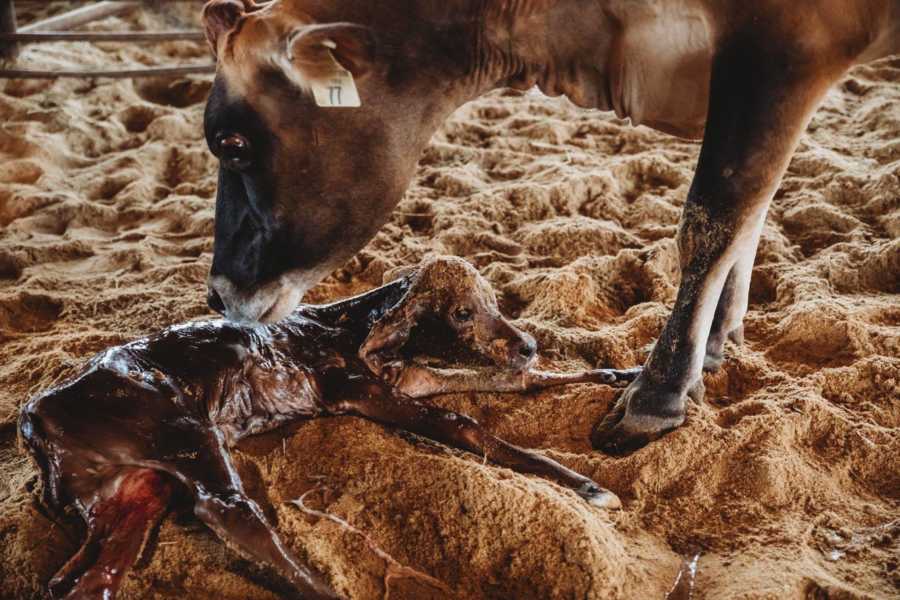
(659, 68)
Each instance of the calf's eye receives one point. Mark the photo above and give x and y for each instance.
(234, 151)
(462, 314)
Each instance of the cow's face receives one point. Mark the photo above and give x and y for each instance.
(302, 186)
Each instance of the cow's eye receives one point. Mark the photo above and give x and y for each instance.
(234, 151)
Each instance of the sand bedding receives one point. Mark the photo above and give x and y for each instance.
(784, 482)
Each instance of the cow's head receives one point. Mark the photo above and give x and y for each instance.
(303, 182)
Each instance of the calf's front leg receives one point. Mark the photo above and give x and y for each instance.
(764, 88)
(414, 381)
(461, 431)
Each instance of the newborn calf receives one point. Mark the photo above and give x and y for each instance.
(148, 418)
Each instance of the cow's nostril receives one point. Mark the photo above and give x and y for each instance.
(528, 349)
(215, 301)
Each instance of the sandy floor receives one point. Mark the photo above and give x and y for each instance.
(784, 483)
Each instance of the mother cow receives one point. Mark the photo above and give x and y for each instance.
(307, 177)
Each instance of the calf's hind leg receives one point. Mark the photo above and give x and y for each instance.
(119, 526)
(222, 504)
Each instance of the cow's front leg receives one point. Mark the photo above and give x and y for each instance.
(764, 88)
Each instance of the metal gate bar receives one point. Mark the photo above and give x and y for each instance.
(45, 31)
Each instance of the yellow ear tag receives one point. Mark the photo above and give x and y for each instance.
(339, 90)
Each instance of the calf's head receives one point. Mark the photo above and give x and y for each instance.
(466, 302)
(305, 180)
(451, 294)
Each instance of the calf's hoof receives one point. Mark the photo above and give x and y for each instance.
(597, 496)
(643, 413)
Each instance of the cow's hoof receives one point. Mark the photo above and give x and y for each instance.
(597, 496)
(712, 362)
(715, 348)
(642, 413)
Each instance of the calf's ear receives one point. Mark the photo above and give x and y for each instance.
(222, 16)
(313, 49)
(390, 333)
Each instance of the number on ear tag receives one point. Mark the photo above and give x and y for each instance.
(338, 91)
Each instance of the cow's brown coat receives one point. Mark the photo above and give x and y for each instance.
(746, 76)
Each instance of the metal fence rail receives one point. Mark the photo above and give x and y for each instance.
(49, 30)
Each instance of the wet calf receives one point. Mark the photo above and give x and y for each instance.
(152, 419)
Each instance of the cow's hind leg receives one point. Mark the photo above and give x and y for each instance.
(728, 321)
(764, 88)
(119, 526)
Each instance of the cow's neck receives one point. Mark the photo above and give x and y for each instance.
(603, 54)
(444, 53)
(556, 45)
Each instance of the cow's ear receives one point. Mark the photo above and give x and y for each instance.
(222, 16)
(313, 49)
